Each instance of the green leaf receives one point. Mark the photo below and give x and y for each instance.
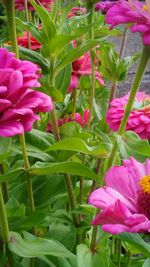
(100, 149)
(11, 174)
(63, 79)
(35, 57)
(137, 241)
(85, 257)
(146, 263)
(131, 145)
(4, 148)
(47, 25)
(75, 168)
(30, 246)
(74, 54)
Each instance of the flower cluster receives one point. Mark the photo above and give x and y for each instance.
(18, 102)
(82, 66)
(23, 41)
(104, 5)
(135, 13)
(20, 4)
(139, 118)
(72, 117)
(125, 200)
(76, 11)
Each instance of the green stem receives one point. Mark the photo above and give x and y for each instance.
(93, 239)
(135, 86)
(128, 258)
(27, 19)
(90, 9)
(118, 244)
(123, 43)
(9, 5)
(3, 220)
(74, 100)
(113, 91)
(4, 185)
(68, 182)
(27, 166)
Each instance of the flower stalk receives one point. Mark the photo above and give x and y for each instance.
(134, 89)
(53, 117)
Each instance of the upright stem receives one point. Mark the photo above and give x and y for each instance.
(3, 219)
(9, 4)
(135, 86)
(27, 166)
(12, 28)
(27, 19)
(123, 43)
(90, 8)
(4, 185)
(68, 182)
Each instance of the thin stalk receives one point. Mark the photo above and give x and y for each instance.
(118, 247)
(74, 100)
(128, 258)
(93, 239)
(68, 182)
(27, 19)
(94, 183)
(123, 43)
(90, 8)
(4, 185)
(5, 229)
(135, 86)
(121, 54)
(9, 5)
(27, 166)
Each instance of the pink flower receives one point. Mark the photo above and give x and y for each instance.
(82, 66)
(72, 117)
(133, 12)
(104, 5)
(18, 103)
(125, 200)
(23, 41)
(139, 118)
(76, 11)
(20, 4)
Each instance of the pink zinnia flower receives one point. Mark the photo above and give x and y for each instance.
(20, 4)
(18, 103)
(23, 41)
(104, 5)
(139, 118)
(125, 200)
(82, 66)
(72, 117)
(76, 11)
(133, 12)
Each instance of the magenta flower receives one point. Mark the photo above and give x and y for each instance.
(72, 117)
(18, 103)
(23, 41)
(125, 200)
(20, 4)
(104, 5)
(82, 66)
(133, 12)
(139, 118)
(76, 11)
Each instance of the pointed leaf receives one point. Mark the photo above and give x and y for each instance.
(75, 168)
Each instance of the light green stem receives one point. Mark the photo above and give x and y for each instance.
(3, 220)
(68, 181)
(135, 86)
(9, 5)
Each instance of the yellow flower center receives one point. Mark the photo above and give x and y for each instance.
(146, 7)
(145, 184)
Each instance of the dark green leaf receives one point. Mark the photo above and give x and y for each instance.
(75, 168)
(137, 241)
